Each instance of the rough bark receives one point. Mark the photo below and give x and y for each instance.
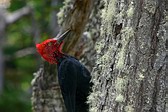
(131, 71)
(85, 48)
(46, 95)
(75, 19)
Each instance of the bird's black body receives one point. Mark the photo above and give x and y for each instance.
(74, 80)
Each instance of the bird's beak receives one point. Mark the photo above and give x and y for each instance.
(63, 36)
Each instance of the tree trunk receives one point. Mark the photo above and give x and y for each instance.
(46, 95)
(131, 70)
(85, 49)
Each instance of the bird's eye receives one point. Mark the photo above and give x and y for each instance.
(49, 44)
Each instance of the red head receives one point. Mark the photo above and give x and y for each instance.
(50, 49)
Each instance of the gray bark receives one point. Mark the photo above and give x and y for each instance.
(131, 70)
(85, 49)
(46, 95)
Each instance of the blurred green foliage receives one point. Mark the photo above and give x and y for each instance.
(16, 96)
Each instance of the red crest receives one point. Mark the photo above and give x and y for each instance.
(48, 50)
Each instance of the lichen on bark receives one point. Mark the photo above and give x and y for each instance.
(130, 74)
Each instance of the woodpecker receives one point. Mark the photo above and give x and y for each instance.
(74, 78)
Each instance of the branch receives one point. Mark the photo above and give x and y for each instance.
(12, 17)
(25, 52)
(21, 53)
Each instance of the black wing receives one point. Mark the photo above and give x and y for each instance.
(75, 84)
(83, 90)
(67, 75)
